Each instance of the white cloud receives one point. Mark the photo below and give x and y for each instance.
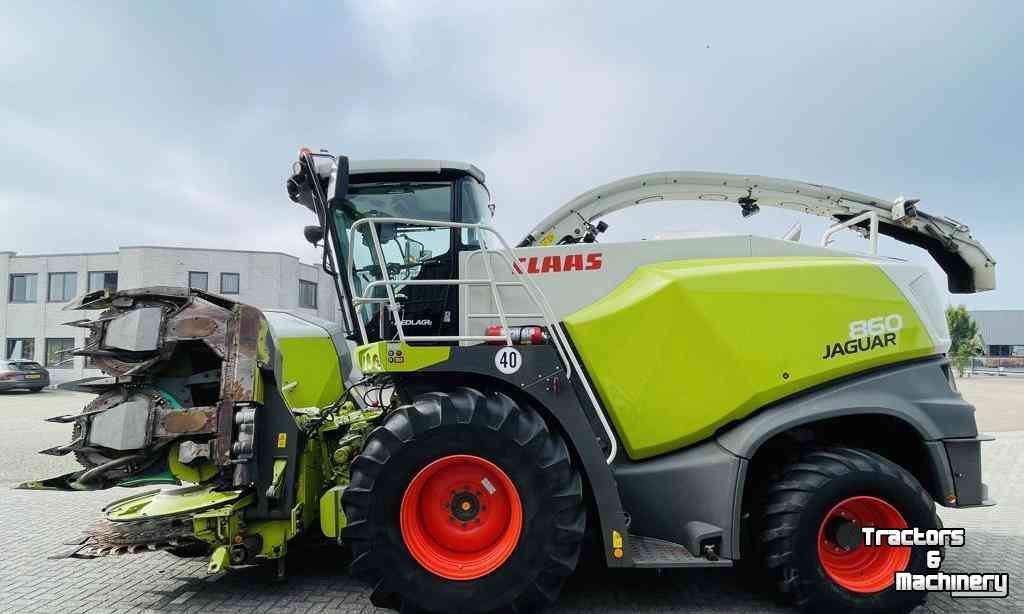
(125, 131)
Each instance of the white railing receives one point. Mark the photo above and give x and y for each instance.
(507, 254)
(826, 238)
(393, 306)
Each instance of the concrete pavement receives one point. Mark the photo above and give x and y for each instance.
(33, 525)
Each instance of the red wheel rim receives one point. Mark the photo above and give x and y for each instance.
(461, 517)
(851, 564)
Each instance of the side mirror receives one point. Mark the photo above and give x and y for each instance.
(413, 252)
(313, 234)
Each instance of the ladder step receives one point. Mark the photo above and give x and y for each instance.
(651, 552)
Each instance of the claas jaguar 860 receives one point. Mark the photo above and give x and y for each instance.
(482, 407)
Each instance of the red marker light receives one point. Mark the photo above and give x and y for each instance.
(520, 335)
(536, 335)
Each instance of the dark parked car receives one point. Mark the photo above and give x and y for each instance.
(23, 374)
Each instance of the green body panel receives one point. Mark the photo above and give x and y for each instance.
(219, 560)
(160, 503)
(682, 348)
(164, 476)
(332, 515)
(384, 356)
(277, 479)
(218, 527)
(195, 472)
(311, 363)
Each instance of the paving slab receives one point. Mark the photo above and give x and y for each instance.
(33, 526)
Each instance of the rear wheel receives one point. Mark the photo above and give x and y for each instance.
(811, 535)
(464, 502)
(36, 388)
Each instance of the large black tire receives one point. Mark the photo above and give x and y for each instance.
(799, 503)
(492, 427)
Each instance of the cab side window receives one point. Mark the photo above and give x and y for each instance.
(475, 202)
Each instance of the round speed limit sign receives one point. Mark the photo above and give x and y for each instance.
(508, 360)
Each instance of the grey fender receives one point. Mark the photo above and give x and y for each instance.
(687, 495)
(542, 382)
(918, 393)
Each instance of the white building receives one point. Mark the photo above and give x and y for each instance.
(36, 287)
(1001, 331)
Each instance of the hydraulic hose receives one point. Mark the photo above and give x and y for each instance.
(95, 472)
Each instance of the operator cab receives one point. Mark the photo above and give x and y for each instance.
(433, 190)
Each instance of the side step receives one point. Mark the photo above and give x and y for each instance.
(651, 552)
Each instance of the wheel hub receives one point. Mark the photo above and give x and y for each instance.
(461, 517)
(843, 534)
(465, 506)
(843, 557)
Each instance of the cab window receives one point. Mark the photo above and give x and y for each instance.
(475, 208)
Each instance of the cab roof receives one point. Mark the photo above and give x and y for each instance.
(411, 165)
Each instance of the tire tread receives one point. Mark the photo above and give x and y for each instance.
(788, 498)
(468, 407)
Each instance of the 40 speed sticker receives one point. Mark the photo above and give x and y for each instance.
(984, 584)
(508, 360)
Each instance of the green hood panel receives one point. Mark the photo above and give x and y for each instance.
(307, 359)
(682, 348)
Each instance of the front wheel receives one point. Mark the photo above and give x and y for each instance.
(811, 534)
(464, 502)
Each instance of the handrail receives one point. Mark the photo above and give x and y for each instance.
(826, 238)
(541, 300)
(490, 281)
(506, 253)
(538, 299)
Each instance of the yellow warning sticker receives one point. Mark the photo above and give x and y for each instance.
(548, 239)
(282, 440)
(616, 539)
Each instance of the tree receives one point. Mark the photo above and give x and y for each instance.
(965, 341)
(962, 328)
(968, 350)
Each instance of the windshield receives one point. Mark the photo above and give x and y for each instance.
(406, 248)
(410, 251)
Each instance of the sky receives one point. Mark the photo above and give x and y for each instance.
(177, 123)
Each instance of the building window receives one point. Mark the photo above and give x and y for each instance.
(57, 349)
(21, 347)
(62, 287)
(198, 280)
(229, 283)
(102, 280)
(23, 288)
(307, 294)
